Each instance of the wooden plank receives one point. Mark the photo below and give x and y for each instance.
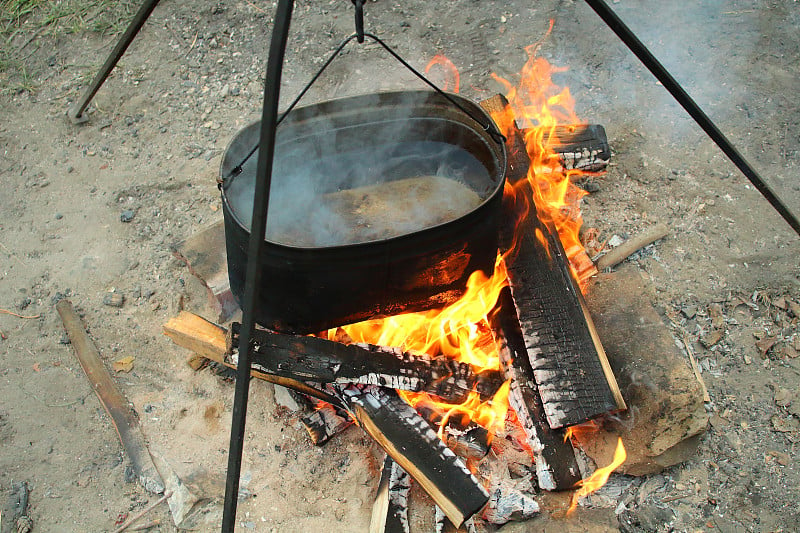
(390, 509)
(556, 467)
(209, 340)
(413, 444)
(325, 423)
(116, 405)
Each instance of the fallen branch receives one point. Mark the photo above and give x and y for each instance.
(116, 405)
(632, 245)
(143, 512)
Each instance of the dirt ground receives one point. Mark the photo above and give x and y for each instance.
(727, 277)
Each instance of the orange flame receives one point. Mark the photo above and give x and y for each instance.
(599, 478)
(453, 78)
(539, 106)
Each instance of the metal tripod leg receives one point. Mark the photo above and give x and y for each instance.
(75, 113)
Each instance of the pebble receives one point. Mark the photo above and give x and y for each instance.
(127, 215)
(59, 216)
(114, 299)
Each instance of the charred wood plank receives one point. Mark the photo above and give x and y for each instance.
(556, 467)
(390, 510)
(577, 146)
(324, 423)
(209, 340)
(323, 361)
(413, 444)
(569, 364)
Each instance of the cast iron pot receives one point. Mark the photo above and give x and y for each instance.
(307, 289)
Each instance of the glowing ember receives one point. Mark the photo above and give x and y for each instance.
(599, 478)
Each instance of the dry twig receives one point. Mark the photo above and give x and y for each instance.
(7, 312)
(143, 512)
(627, 248)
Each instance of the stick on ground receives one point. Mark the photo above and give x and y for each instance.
(115, 404)
(627, 248)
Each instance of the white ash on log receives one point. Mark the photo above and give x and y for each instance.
(508, 502)
(556, 467)
(413, 444)
(390, 510)
(443, 525)
(323, 361)
(579, 146)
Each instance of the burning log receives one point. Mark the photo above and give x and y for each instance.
(324, 361)
(574, 379)
(412, 443)
(578, 146)
(209, 340)
(390, 510)
(569, 364)
(469, 443)
(556, 467)
(325, 423)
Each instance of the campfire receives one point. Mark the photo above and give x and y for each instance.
(511, 366)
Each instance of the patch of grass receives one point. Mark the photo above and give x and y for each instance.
(24, 23)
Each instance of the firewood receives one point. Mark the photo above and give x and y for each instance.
(390, 510)
(556, 467)
(412, 443)
(470, 443)
(578, 146)
(209, 340)
(324, 423)
(324, 361)
(571, 370)
(631, 246)
(116, 405)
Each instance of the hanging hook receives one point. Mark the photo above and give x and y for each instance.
(359, 4)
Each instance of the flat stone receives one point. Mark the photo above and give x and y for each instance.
(665, 400)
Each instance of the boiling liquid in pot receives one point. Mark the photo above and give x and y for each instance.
(365, 194)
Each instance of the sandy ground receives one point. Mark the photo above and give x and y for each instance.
(152, 148)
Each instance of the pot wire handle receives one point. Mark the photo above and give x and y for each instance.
(490, 127)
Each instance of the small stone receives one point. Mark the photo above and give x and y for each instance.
(64, 339)
(114, 299)
(689, 311)
(127, 215)
(59, 216)
(23, 303)
(235, 91)
(784, 424)
(226, 90)
(783, 398)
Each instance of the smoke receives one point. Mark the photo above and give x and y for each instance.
(334, 184)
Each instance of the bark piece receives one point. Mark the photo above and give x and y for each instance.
(325, 423)
(655, 375)
(204, 254)
(116, 405)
